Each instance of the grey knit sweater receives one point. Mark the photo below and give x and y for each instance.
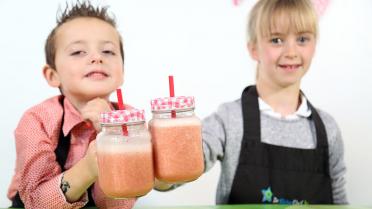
(223, 134)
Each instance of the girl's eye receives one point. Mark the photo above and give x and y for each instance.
(303, 39)
(276, 41)
(75, 53)
(109, 52)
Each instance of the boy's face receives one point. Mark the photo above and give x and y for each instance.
(88, 59)
(284, 56)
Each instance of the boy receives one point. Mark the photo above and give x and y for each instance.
(84, 55)
(274, 146)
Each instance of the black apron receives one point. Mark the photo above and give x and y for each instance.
(61, 154)
(274, 174)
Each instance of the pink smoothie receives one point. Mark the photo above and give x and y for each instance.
(125, 175)
(178, 151)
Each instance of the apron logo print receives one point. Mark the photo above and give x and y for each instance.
(268, 197)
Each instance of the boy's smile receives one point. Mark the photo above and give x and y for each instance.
(97, 75)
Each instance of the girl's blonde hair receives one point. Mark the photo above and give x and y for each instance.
(297, 15)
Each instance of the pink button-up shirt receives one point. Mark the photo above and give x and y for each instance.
(38, 175)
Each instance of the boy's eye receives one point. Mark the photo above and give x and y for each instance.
(77, 53)
(109, 52)
(276, 40)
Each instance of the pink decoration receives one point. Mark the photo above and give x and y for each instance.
(237, 2)
(320, 6)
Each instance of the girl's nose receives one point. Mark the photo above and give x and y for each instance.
(290, 50)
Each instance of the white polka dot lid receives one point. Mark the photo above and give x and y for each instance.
(122, 116)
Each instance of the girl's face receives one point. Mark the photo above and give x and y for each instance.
(283, 56)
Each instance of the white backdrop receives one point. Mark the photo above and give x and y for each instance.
(202, 43)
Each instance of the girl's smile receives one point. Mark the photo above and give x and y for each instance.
(290, 67)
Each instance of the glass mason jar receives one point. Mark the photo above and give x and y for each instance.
(124, 154)
(176, 138)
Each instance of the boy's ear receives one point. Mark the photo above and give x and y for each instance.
(51, 76)
(252, 48)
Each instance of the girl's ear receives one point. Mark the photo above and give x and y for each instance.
(51, 76)
(252, 48)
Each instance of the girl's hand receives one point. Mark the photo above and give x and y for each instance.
(162, 186)
(92, 110)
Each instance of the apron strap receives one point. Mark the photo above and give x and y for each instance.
(249, 99)
(321, 133)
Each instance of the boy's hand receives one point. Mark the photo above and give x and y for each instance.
(81, 175)
(92, 110)
(91, 159)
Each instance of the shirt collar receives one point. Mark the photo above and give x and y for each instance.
(302, 111)
(71, 118)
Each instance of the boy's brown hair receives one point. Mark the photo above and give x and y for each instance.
(80, 9)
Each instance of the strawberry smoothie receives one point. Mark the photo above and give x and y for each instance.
(125, 169)
(177, 149)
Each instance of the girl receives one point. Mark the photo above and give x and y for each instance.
(273, 144)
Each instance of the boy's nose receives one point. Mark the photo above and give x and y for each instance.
(96, 60)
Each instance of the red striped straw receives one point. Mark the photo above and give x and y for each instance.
(171, 92)
(121, 107)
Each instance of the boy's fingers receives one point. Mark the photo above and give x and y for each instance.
(88, 124)
(92, 143)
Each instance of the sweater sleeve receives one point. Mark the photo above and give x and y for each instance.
(214, 138)
(337, 168)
